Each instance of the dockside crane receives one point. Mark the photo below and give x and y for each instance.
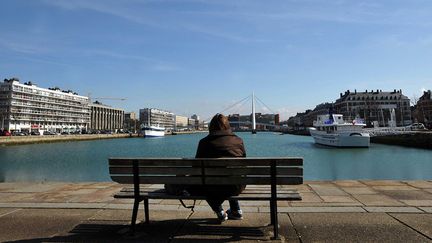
(104, 98)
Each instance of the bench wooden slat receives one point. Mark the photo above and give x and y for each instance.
(263, 197)
(258, 196)
(207, 162)
(178, 170)
(252, 180)
(253, 171)
(253, 161)
(217, 180)
(154, 161)
(182, 170)
(159, 180)
(130, 190)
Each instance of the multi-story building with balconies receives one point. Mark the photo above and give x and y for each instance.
(154, 117)
(26, 107)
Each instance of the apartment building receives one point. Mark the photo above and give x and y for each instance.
(424, 109)
(131, 122)
(181, 122)
(105, 117)
(154, 117)
(375, 106)
(27, 107)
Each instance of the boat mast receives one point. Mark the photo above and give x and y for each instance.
(253, 114)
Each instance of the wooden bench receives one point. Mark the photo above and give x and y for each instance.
(245, 171)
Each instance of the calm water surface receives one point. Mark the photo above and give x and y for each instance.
(88, 160)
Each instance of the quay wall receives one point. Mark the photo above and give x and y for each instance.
(14, 140)
(185, 132)
(298, 132)
(416, 140)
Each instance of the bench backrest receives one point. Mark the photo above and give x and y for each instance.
(221, 171)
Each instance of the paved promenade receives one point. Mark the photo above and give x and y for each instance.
(338, 211)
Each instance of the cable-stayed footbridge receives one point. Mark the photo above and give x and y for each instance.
(261, 116)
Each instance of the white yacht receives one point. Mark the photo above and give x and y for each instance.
(152, 131)
(332, 130)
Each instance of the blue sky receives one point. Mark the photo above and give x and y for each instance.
(201, 56)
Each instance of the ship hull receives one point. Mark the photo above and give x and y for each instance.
(354, 139)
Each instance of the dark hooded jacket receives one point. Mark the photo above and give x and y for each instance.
(217, 144)
(221, 144)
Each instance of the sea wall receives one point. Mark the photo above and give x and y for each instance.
(13, 140)
(417, 140)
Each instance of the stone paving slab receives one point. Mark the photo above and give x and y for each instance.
(334, 204)
(327, 190)
(39, 224)
(316, 210)
(300, 188)
(352, 227)
(95, 230)
(408, 195)
(377, 200)
(339, 199)
(204, 227)
(393, 210)
(348, 183)
(395, 188)
(418, 203)
(359, 190)
(426, 209)
(420, 184)
(419, 222)
(382, 183)
(38, 187)
(310, 197)
(9, 186)
(54, 205)
(13, 197)
(6, 211)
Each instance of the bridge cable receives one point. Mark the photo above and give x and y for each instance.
(266, 106)
(242, 100)
(240, 106)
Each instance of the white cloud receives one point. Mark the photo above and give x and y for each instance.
(21, 47)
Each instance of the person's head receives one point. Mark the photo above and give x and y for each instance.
(219, 123)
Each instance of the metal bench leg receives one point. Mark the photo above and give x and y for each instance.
(271, 213)
(274, 216)
(146, 210)
(134, 215)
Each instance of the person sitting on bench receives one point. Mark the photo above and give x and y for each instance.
(221, 142)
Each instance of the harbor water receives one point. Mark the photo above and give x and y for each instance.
(88, 160)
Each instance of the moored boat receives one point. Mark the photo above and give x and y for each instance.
(332, 130)
(152, 131)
